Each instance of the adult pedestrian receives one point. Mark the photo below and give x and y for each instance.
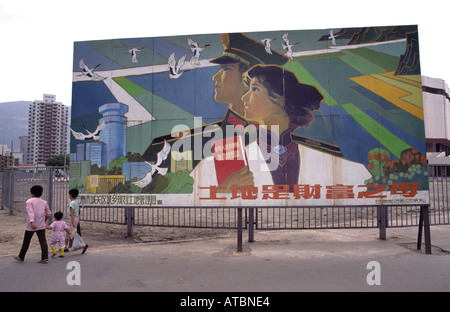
(37, 214)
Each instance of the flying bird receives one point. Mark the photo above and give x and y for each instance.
(89, 72)
(90, 135)
(133, 53)
(332, 37)
(196, 49)
(287, 46)
(174, 67)
(155, 168)
(266, 42)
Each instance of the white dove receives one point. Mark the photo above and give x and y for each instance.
(174, 67)
(133, 53)
(266, 43)
(332, 37)
(287, 46)
(196, 50)
(90, 135)
(162, 155)
(89, 72)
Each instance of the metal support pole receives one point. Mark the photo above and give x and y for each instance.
(424, 221)
(11, 191)
(251, 225)
(129, 218)
(382, 221)
(239, 234)
(50, 193)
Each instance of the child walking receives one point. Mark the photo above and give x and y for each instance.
(74, 218)
(58, 226)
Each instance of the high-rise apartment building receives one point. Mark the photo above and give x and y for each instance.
(47, 129)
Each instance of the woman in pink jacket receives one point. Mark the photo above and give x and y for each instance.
(37, 214)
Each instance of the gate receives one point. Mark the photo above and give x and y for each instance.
(16, 184)
(7, 189)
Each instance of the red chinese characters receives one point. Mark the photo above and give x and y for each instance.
(316, 191)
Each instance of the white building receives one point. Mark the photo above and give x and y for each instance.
(436, 101)
(47, 129)
(4, 150)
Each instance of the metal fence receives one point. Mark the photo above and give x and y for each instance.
(331, 217)
(439, 181)
(181, 217)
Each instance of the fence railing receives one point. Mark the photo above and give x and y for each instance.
(316, 217)
(181, 217)
(262, 218)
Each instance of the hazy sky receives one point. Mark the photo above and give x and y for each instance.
(37, 37)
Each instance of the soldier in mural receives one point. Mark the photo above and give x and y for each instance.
(240, 53)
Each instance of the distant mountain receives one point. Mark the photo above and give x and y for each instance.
(13, 122)
(409, 63)
(380, 34)
(372, 34)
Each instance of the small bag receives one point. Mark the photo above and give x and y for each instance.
(77, 242)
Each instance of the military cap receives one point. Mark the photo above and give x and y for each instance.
(240, 48)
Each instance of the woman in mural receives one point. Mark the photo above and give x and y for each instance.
(276, 98)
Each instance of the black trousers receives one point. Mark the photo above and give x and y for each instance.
(26, 243)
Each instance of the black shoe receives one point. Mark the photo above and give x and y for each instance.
(84, 249)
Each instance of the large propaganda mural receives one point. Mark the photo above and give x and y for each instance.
(299, 117)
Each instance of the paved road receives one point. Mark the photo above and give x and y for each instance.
(278, 261)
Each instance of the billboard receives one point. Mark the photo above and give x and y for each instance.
(276, 118)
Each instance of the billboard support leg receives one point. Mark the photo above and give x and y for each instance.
(129, 219)
(424, 221)
(251, 223)
(239, 226)
(382, 221)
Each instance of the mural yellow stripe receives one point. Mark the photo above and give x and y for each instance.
(390, 93)
(375, 129)
(415, 96)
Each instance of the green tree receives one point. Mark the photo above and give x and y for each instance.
(58, 161)
(95, 170)
(115, 167)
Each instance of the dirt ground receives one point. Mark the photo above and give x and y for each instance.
(99, 235)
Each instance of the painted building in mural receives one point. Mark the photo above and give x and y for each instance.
(312, 117)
